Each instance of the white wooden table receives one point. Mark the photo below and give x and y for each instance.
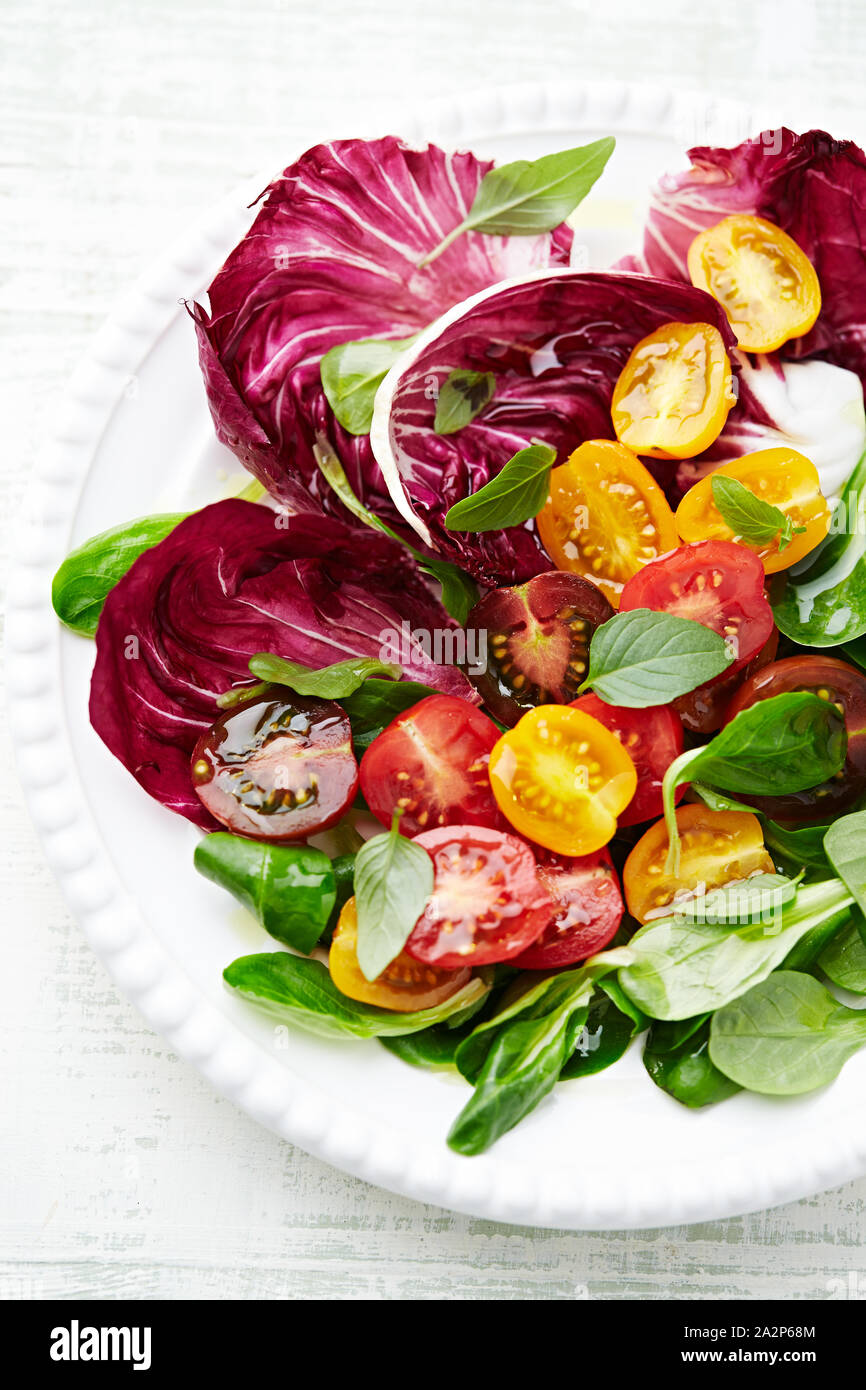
(121, 1174)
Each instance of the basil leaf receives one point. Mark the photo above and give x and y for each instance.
(296, 990)
(376, 703)
(393, 880)
(751, 518)
(845, 847)
(844, 959)
(526, 198)
(459, 590)
(611, 1023)
(786, 1036)
(290, 889)
(755, 899)
(328, 682)
(516, 494)
(89, 573)
(352, 374)
(686, 968)
(642, 658)
(462, 396)
(680, 1064)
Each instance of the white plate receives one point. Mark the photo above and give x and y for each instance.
(135, 437)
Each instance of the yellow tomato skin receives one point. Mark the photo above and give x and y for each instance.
(673, 395)
(605, 516)
(783, 478)
(765, 283)
(561, 779)
(404, 986)
(716, 847)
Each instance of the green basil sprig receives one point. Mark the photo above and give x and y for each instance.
(462, 396)
(328, 682)
(787, 1035)
(295, 990)
(641, 658)
(527, 198)
(516, 494)
(352, 374)
(751, 518)
(393, 881)
(89, 573)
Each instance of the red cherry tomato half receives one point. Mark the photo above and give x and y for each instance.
(488, 903)
(845, 687)
(277, 769)
(716, 583)
(431, 764)
(704, 710)
(589, 910)
(652, 738)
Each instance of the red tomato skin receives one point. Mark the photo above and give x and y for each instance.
(652, 738)
(433, 758)
(587, 891)
(503, 911)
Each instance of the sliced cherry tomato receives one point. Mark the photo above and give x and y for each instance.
(781, 477)
(846, 688)
(673, 395)
(561, 778)
(277, 769)
(766, 285)
(704, 710)
(715, 583)
(537, 639)
(589, 910)
(487, 903)
(717, 847)
(605, 516)
(652, 738)
(404, 985)
(431, 764)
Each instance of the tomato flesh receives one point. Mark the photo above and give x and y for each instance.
(403, 986)
(277, 769)
(589, 909)
(845, 687)
(673, 395)
(652, 738)
(536, 637)
(716, 848)
(487, 904)
(431, 765)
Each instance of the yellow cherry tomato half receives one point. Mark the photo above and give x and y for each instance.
(766, 285)
(561, 779)
(716, 848)
(781, 477)
(673, 395)
(404, 986)
(605, 516)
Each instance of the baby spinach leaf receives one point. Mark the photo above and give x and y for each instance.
(290, 889)
(372, 707)
(89, 573)
(526, 198)
(680, 1064)
(462, 396)
(785, 1036)
(802, 846)
(459, 590)
(845, 847)
(642, 658)
(393, 880)
(517, 493)
(751, 518)
(328, 682)
(613, 1020)
(843, 960)
(436, 1047)
(352, 374)
(681, 969)
(296, 990)
(755, 899)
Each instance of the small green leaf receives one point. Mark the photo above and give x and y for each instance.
(755, 899)
(290, 889)
(89, 573)
(462, 396)
(393, 881)
(751, 518)
(843, 960)
(352, 374)
(516, 494)
(677, 1059)
(845, 847)
(641, 658)
(328, 682)
(459, 591)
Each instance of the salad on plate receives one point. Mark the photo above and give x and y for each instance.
(520, 695)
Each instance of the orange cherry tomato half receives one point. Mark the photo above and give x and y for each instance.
(404, 985)
(561, 778)
(717, 847)
(766, 285)
(781, 477)
(674, 392)
(605, 516)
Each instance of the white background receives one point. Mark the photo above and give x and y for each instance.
(121, 1174)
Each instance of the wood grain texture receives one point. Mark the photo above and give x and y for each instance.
(121, 1174)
